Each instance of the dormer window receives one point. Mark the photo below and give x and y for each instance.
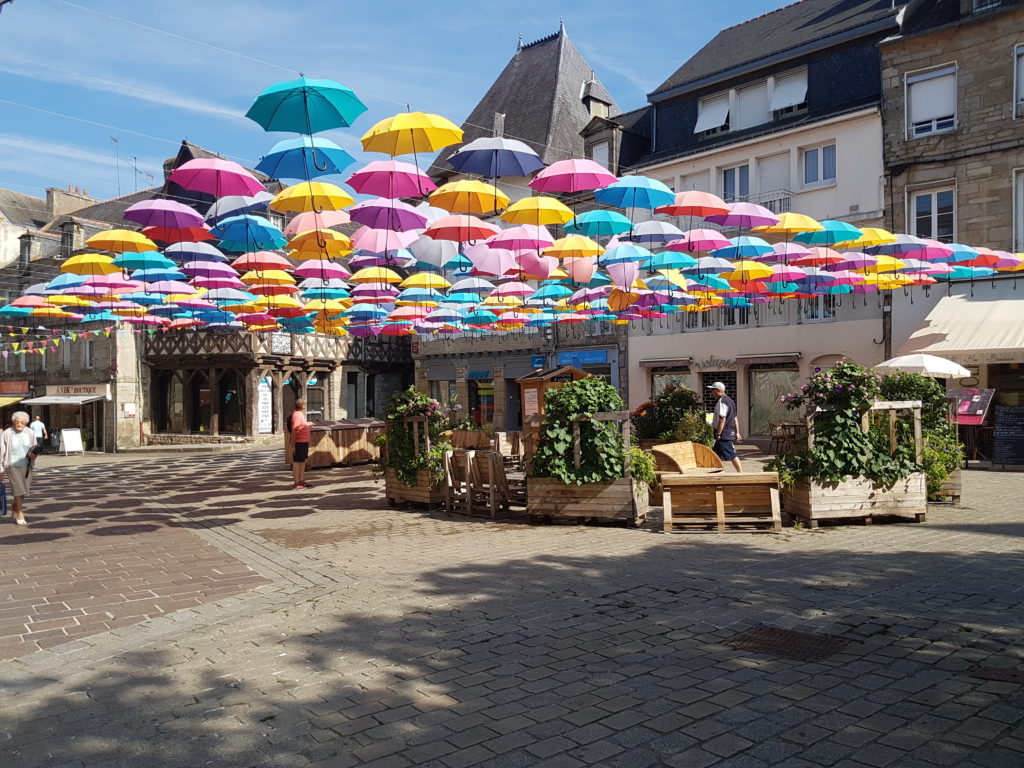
(754, 104)
(713, 115)
(789, 94)
(599, 153)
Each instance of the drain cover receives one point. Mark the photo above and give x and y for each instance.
(787, 643)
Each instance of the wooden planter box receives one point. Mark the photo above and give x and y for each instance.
(420, 493)
(952, 489)
(617, 500)
(856, 498)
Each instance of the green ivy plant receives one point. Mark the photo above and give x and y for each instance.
(602, 453)
(659, 418)
(642, 469)
(404, 453)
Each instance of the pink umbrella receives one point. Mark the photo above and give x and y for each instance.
(931, 250)
(381, 240)
(784, 252)
(374, 293)
(261, 260)
(208, 269)
(522, 236)
(587, 295)
(112, 283)
(818, 257)
(577, 175)
(384, 259)
(623, 273)
(146, 320)
(391, 179)
(786, 273)
(581, 270)
(257, 318)
(306, 222)
(381, 213)
(514, 288)
(409, 313)
(533, 264)
(693, 202)
(163, 213)
(744, 215)
(216, 177)
(322, 269)
(856, 260)
(491, 261)
(196, 304)
(461, 228)
(699, 240)
(213, 283)
(170, 286)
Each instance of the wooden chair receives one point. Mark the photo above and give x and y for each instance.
(685, 457)
(780, 438)
(458, 486)
(509, 445)
(492, 489)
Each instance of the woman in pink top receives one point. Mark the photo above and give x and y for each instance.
(299, 428)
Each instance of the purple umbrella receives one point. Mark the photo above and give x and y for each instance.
(381, 213)
(744, 215)
(163, 213)
(214, 283)
(170, 286)
(194, 252)
(208, 269)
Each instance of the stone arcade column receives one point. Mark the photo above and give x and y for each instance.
(498, 419)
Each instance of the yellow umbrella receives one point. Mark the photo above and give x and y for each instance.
(319, 244)
(330, 327)
(121, 241)
(748, 270)
(426, 280)
(67, 300)
(573, 247)
(502, 301)
(268, 277)
(468, 196)
(869, 236)
(311, 196)
(89, 264)
(410, 132)
(376, 275)
(791, 223)
(884, 263)
(51, 312)
(619, 300)
(539, 211)
(278, 301)
(559, 274)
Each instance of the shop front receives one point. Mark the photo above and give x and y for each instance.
(12, 393)
(75, 406)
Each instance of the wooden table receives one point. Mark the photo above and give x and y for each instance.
(719, 502)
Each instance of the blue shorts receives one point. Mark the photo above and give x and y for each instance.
(725, 449)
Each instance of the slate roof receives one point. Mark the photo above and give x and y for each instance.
(23, 210)
(540, 93)
(792, 25)
(109, 211)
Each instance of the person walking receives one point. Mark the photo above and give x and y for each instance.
(299, 428)
(727, 430)
(39, 428)
(17, 452)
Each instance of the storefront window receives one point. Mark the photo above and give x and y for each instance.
(315, 403)
(663, 378)
(481, 401)
(710, 377)
(1007, 379)
(232, 404)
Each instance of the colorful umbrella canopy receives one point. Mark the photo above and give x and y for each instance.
(310, 220)
(236, 205)
(391, 179)
(572, 176)
(305, 106)
(194, 252)
(598, 224)
(311, 196)
(89, 264)
(410, 133)
(743, 214)
(121, 241)
(381, 213)
(460, 228)
(216, 177)
(694, 203)
(163, 213)
(247, 233)
(492, 157)
(306, 157)
(635, 192)
(469, 196)
(537, 212)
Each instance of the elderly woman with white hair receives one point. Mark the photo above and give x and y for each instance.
(17, 452)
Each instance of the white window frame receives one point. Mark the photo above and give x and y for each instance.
(732, 98)
(1018, 82)
(773, 313)
(819, 309)
(735, 317)
(23, 362)
(977, 6)
(65, 351)
(88, 359)
(738, 194)
(938, 125)
(933, 190)
(821, 180)
(700, 321)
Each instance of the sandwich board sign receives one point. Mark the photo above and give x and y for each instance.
(71, 441)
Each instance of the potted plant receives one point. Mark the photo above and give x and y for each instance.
(413, 449)
(847, 470)
(657, 421)
(582, 464)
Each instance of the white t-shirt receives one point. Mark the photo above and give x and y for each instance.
(38, 427)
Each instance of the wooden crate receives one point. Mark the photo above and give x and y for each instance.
(856, 498)
(718, 502)
(420, 493)
(617, 500)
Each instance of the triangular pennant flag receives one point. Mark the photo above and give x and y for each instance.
(15, 345)
(24, 330)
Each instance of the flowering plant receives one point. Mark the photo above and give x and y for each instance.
(846, 386)
(405, 449)
(659, 418)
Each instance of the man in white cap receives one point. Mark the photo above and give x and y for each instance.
(727, 430)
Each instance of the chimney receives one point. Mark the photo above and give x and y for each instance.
(62, 201)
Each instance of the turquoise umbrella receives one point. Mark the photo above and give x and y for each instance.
(305, 106)
(598, 224)
(304, 158)
(833, 232)
(635, 192)
(144, 260)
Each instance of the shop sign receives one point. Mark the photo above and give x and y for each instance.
(583, 357)
(265, 408)
(971, 404)
(530, 405)
(479, 374)
(129, 410)
(96, 390)
(13, 387)
(716, 364)
(536, 361)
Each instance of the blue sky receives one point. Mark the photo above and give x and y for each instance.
(74, 73)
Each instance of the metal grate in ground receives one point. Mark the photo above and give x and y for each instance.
(787, 643)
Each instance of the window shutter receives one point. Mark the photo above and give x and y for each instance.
(701, 182)
(773, 172)
(932, 95)
(599, 154)
(713, 113)
(789, 91)
(751, 107)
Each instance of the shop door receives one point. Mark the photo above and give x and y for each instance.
(766, 387)
(513, 406)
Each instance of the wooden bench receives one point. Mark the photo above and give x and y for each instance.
(721, 502)
(492, 491)
(684, 458)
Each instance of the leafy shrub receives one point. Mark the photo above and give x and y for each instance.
(942, 454)
(642, 468)
(693, 427)
(658, 418)
(900, 385)
(402, 452)
(602, 453)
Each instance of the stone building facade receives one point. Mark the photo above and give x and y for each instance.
(953, 118)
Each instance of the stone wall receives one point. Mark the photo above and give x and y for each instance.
(979, 157)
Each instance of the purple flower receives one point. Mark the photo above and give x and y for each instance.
(817, 370)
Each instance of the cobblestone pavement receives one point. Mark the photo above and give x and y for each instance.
(364, 635)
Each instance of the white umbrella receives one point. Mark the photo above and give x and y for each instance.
(926, 365)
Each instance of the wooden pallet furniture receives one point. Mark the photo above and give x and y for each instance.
(423, 490)
(684, 457)
(493, 492)
(458, 488)
(720, 503)
(510, 446)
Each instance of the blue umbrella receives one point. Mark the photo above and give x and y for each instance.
(622, 253)
(144, 260)
(236, 205)
(156, 275)
(833, 232)
(305, 106)
(598, 224)
(496, 156)
(248, 233)
(635, 192)
(304, 158)
(194, 252)
(671, 260)
(743, 248)
(69, 280)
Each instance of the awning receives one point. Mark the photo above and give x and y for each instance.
(666, 362)
(771, 357)
(63, 399)
(790, 90)
(5, 401)
(960, 326)
(712, 113)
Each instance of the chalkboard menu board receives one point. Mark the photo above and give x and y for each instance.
(1008, 438)
(971, 404)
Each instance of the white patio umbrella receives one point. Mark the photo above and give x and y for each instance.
(927, 365)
